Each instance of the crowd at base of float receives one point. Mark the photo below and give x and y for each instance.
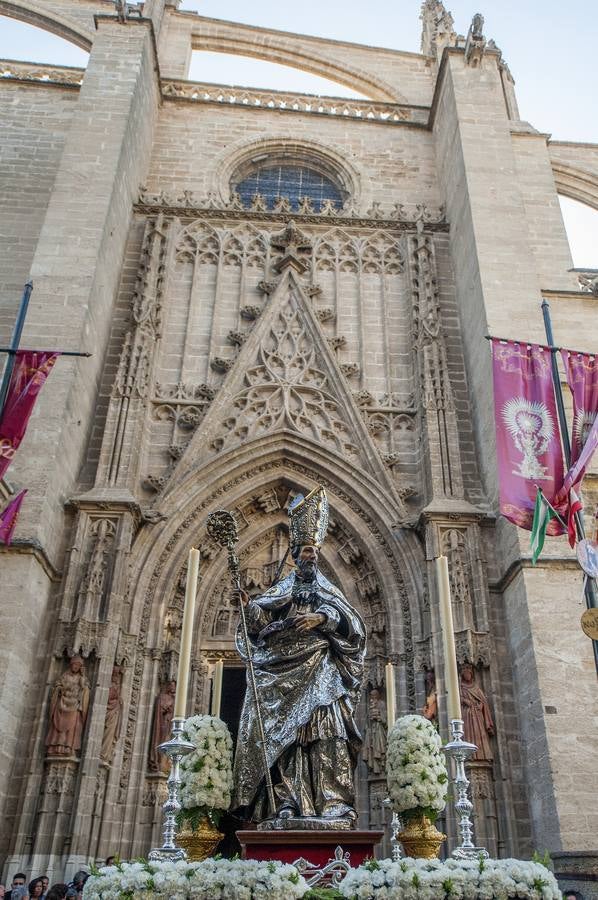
(406, 879)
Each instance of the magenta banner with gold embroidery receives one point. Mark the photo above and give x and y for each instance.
(528, 441)
(582, 377)
(31, 369)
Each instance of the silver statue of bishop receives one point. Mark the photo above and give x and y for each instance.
(308, 646)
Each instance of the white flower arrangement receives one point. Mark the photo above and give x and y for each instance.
(212, 879)
(207, 772)
(431, 879)
(415, 768)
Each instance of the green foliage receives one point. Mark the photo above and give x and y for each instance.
(323, 893)
(372, 865)
(544, 859)
(193, 817)
(410, 814)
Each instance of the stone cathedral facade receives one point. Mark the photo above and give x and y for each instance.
(279, 291)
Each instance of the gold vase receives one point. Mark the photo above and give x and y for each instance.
(420, 838)
(200, 842)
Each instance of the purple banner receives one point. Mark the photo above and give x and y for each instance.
(582, 377)
(31, 369)
(528, 441)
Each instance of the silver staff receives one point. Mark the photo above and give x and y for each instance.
(222, 528)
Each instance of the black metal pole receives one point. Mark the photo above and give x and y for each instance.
(14, 344)
(590, 586)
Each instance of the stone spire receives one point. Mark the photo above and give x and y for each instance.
(437, 28)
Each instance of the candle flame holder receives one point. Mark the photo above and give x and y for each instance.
(461, 750)
(175, 749)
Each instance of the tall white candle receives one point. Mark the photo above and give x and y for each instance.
(182, 683)
(391, 703)
(451, 675)
(217, 688)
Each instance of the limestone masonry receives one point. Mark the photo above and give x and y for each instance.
(236, 360)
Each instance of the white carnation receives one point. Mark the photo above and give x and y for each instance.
(415, 768)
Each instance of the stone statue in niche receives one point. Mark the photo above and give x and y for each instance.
(477, 716)
(113, 719)
(374, 752)
(430, 710)
(161, 728)
(69, 705)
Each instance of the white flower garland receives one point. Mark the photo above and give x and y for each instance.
(207, 773)
(407, 879)
(415, 768)
(431, 879)
(213, 879)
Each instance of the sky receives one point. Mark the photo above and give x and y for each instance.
(547, 44)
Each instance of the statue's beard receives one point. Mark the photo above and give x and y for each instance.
(307, 569)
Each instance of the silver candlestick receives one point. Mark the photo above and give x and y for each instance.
(175, 749)
(460, 751)
(395, 827)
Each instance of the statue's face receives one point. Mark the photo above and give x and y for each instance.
(307, 563)
(76, 664)
(467, 673)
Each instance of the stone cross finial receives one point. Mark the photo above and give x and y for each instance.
(292, 242)
(437, 28)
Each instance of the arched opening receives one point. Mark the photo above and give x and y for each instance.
(31, 43)
(581, 225)
(235, 69)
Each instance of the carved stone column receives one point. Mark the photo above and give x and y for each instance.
(441, 455)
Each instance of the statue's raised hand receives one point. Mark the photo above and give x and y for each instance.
(241, 596)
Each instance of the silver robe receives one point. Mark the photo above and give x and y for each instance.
(297, 673)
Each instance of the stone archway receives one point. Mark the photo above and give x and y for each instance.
(49, 19)
(379, 570)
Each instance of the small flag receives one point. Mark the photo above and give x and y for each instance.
(543, 513)
(575, 506)
(8, 518)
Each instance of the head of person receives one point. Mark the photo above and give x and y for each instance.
(46, 882)
(79, 879)
(57, 891)
(36, 888)
(18, 880)
(110, 860)
(572, 895)
(305, 557)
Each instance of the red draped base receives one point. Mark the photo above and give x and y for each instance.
(318, 847)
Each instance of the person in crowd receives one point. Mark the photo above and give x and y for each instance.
(46, 883)
(18, 880)
(20, 893)
(572, 895)
(36, 888)
(110, 861)
(57, 892)
(75, 888)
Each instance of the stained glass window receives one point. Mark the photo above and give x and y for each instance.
(294, 182)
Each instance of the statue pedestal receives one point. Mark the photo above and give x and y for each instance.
(317, 847)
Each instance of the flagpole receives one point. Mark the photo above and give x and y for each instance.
(14, 343)
(590, 585)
